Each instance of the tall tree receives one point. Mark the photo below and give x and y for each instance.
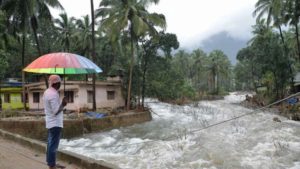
(269, 57)
(65, 26)
(93, 53)
(167, 42)
(22, 14)
(219, 66)
(273, 11)
(132, 16)
(248, 63)
(4, 31)
(292, 16)
(84, 36)
(199, 61)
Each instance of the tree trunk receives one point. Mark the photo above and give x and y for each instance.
(130, 74)
(144, 80)
(276, 85)
(23, 49)
(23, 73)
(23, 91)
(114, 53)
(217, 84)
(297, 37)
(36, 38)
(93, 54)
(37, 41)
(0, 97)
(287, 55)
(138, 94)
(281, 35)
(138, 82)
(214, 80)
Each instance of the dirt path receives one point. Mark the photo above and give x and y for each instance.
(15, 156)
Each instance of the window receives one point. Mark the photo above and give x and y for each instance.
(90, 96)
(36, 97)
(110, 95)
(70, 96)
(6, 98)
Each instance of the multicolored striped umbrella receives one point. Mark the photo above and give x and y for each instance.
(62, 63)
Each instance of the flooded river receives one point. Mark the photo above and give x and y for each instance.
(251, 142)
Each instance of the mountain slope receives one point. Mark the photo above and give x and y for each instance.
(223, 41)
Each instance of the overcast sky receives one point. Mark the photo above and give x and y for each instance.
(191, 20)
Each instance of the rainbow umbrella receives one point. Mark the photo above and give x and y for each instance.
(62, 63)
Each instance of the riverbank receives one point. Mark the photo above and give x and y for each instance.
(291, 111)
(74, 125)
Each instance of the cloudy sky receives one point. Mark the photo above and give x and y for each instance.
(192, 20)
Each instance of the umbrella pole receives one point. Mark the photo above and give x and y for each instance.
(64, 83)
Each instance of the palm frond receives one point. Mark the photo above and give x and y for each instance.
(54, 4)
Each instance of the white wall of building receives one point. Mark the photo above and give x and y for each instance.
(81, 96)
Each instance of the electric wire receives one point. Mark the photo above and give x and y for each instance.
(209, 126)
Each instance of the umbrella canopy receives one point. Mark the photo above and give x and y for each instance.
(62, 63)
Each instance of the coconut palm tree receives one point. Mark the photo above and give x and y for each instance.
(93, 52)
(19, 13)
(292, 16)
(84, 36)
(25, 13)
(199, 61)
(65, 26)
(272, 11)
(129, 15)
(276, 12)
(219, 65)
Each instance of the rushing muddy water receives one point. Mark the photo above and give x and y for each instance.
(251, 142)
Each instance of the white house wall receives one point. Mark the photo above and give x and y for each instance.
(81, 97)
(35, 106)
(101, 97)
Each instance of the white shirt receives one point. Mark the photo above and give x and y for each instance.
(51, 105)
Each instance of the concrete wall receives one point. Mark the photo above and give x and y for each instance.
(74, 128)
(15, 101)
(33, 105)
(79, 160)
(15, 98)
(101, 97)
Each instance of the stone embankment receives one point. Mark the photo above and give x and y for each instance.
(33, 127)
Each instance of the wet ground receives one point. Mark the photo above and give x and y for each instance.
(15, 156)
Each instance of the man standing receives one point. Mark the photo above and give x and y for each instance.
(54, 119)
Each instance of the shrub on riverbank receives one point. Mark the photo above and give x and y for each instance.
(291, 111)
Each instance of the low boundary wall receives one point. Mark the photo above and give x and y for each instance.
(35, 129)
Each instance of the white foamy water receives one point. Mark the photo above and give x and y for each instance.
(251, 142)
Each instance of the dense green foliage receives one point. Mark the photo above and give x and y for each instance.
(131, 42)
(270, 60)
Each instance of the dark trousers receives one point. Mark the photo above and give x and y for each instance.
(52, 145)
